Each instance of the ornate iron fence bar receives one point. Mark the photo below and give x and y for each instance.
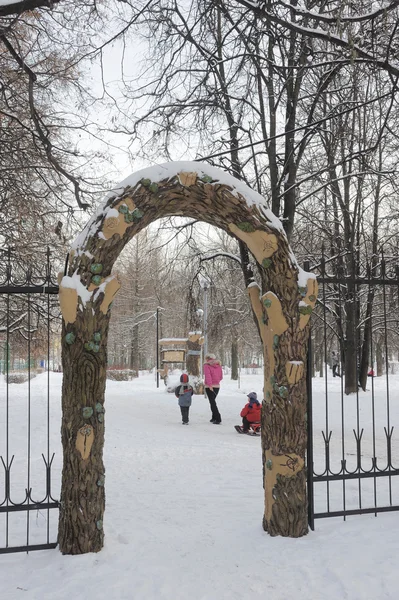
(30, 548)
(28, 507)
(358, 280)
(356, 316)
(355, 511)
(363, 475)
(35, 292)
(29, 289)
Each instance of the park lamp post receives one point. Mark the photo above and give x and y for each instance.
(200, 315)
(205, 285)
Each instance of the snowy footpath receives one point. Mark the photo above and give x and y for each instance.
(183, 515)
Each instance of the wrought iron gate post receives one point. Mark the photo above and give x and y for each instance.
(309, 452)
(368, 408)
(27, 285)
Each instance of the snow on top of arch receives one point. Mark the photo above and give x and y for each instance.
(75, 283)
(171, 169)
(303, 276)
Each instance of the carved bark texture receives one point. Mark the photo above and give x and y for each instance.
(283, 314)
(283, 332)
(83, 387)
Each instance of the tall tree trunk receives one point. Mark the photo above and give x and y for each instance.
(366, 358)
(379, 357)
(193, 355)
(350, 349)
(318, 352)
(365, 351)
(134, 351)
(134, 362)
(234, 360)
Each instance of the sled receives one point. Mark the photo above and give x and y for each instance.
(254, 429)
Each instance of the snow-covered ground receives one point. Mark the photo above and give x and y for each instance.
(185, 504)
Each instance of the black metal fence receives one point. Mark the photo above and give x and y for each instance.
(29, 334)
(353, 450)
(353, 389)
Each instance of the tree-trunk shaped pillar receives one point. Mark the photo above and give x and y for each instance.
(283, 308)
(283, 313)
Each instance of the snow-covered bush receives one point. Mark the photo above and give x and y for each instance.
(173, 380)
(20, 376)
(121, 374)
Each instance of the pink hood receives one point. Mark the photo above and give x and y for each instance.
(213, 373)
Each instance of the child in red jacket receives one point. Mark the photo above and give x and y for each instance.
(251, 412)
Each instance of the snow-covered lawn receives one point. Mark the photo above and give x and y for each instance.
(184, 509)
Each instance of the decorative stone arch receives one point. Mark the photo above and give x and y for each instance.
(282, 309)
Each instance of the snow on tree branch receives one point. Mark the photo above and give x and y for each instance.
(221, 254)
(335, 20)
(355, 46)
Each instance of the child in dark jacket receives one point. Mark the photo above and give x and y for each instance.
(251, 412)
(184, 393)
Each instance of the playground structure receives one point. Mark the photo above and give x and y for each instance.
(182, 353)
(173, 353)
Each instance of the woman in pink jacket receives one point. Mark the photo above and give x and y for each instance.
(213, 376)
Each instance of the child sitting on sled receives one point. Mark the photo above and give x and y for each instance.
(184, 392)
(251, 412)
